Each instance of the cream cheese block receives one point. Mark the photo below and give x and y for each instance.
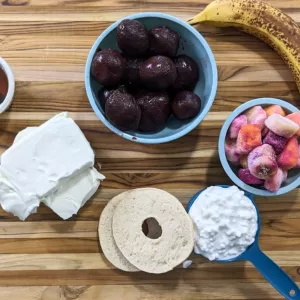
(40, 165)
(72, 194)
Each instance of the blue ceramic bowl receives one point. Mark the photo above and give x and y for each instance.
(191, 43)
(293, 179)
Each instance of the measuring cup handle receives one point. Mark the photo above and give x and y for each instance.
(280, 280)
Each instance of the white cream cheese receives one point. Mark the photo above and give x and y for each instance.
(41, 165)
(72, 194)
(225, 222)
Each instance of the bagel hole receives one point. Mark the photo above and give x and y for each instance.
(151, 228)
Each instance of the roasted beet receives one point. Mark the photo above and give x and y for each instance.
(187, 72)
(104, 93)
(122, 111)
(186, 105)
(155, 109)
(133, 38)
(108, 67)
(163, 41)
(158, 72)
(132, 71)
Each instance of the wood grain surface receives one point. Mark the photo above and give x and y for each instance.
(46, 42)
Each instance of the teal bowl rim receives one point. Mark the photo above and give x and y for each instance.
(194, 123)
(221, 147)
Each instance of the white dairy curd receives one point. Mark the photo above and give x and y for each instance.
(225, 222)
(52, 163)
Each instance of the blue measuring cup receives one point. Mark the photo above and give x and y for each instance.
(280, 280)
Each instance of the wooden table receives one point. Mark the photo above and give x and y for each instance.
(46, 42)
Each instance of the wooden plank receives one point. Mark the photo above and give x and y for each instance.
(111, 276)
(71, 96)
(105, 3)
(97, 261)
(44, 258)
(174, 291)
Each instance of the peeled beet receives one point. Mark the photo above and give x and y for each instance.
(104, 93)
(163, 41)
(186, 105)
(132, 71)
(133, 38)
(158, 72)
(187, 72)
(122, 111)
(155, 110)
(108, 67)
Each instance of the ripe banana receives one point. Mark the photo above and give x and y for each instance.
(261, 20)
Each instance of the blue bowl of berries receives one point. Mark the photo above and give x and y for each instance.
(259, 148)
(151, 78)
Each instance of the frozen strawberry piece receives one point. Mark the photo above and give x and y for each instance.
(262, 162)
(274, 183)
(274, 109)
(231, 152)
(247, 177)
(288, 158)
(256, 115)
(277, 142)
(248, 138)
(236, 125)
(295, 117)
(244, 161)
(265, 131)
(282, 126)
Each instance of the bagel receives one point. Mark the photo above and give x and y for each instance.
(159, 254)
(107, 242)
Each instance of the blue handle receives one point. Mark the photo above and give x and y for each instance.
(280, 280)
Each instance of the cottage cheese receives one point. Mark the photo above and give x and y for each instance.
(54, 164)
(225, 223)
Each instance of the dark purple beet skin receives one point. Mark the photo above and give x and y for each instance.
(104, 93)
(163, 41)
(187, 72)
(133, 38)
(158, 72)
(132, 71)
(155, 109)
(186, 105)
(122, 111)
(108, 67)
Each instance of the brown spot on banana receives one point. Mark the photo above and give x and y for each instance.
(261, 20)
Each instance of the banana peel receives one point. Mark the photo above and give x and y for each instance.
(260, 19)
